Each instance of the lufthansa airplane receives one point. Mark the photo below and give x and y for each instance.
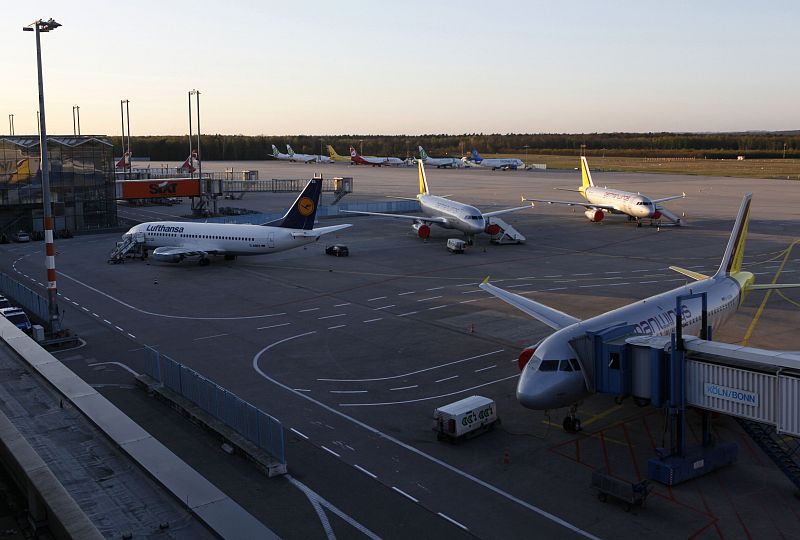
(601, 200)
(173, 241)
(552, 372)
(446, 213)
(496, 163)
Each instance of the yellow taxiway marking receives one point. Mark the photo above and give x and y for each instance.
(601, 415)
(760, 310)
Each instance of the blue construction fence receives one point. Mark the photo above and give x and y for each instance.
(25, 297)
(252, 423)
(386, 207)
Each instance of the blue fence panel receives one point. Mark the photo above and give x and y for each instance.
(190, 385)
(171, 374)
(152, 363)
(27, 298)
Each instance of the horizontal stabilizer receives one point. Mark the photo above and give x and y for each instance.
(319, 231)
(697, 276)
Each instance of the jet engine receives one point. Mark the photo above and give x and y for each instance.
(493, 229)
(656, 215)
(424, 231)
(166, 257)
(595, 215)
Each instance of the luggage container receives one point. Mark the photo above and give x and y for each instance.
(465, 418)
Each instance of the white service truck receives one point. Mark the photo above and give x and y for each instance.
(465, 418)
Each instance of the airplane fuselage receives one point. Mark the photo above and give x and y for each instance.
(223, 238)
(501, 163)
(459, 216)
(442, 162)
(546, 383)
(623, 202)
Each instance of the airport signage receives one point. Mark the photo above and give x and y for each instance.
(147, 189)
(730, 394)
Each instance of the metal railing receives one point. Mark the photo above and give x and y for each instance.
(29, 299)
(252, 423)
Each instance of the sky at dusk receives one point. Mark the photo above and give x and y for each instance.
(410, 67)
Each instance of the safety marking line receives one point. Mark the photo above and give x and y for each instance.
(451, 520)
(437, 307)
(302, 390)
(435, 288)
(84, 309)
(404, 387)
(557, 275)
(473, 292)
(131, 335)
(654, 281)
(107, 321)
(209, 337)
(340, 305)
(554, 289)
(601, 415)
(273, 326)
(365, 471)
(409, 313)
(376, 298)
(373, 320)
(520, 285)
(118, 328)
(401, 492)
(348, 391)
(74, 302)
(329, 450)
(428, 398)
(309, 309)
(95, 314)
(656, 275)
(467, 285)
(332, 316)
(485, 368)
(447, 378)
(431, 298)
(468, 301)
(612, 272)
(405, 293)
(66, 298)
(337, 326)
(118, 364)
(589, 274)
(632, 271)
(565, 280)
(384, 307)
(302, 435)
(590, 286)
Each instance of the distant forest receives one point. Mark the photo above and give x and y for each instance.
(699, 145)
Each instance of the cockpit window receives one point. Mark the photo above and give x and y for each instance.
(473, 217)
(576, 366)
(564, 365)
(548, 365)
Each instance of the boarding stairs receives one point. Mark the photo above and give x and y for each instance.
(782, 449)
(130, 245)
(507, 234)
(670, 216)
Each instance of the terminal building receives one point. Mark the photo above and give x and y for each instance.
(82, 183)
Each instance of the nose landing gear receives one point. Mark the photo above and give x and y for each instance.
(572, 424)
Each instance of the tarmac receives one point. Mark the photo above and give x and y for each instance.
(353, 354)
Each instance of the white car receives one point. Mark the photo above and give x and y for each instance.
(21, 236)
(17, 317)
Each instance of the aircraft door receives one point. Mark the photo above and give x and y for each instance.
(271, 240)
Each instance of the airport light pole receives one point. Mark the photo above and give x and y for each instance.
(39, 26)
(76, 112)
(526, 153)
(11, 128)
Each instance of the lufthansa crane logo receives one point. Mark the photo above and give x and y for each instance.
(305, 206)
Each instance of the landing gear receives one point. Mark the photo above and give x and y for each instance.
(572, 424)
(203, 262)
(470, 240)
(638, 222)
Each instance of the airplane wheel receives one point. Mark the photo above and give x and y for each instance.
(576, 425)
(203, 262)
(641, 402)
(567, 425)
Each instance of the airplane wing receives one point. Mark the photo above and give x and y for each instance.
(665, 199)
(551, 317)
(426, 219)
(506, 211)
(185, 252)
(319, 231)
(403, 198)
(574, 203)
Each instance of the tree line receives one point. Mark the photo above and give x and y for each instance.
(699, 145)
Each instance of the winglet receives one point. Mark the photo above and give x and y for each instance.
(485, 280)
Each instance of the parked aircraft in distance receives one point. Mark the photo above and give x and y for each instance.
(439, 162)
(601, 200)
(307, 157)
(446, 213)
(553, 374)
(287, 157)
(372, 160)
(495, 163)
(335, 156)
(174, 241)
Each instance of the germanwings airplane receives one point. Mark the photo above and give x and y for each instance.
(445, 213)
(307, 157)
(553, 374)
(439, 162)
(173, 241)
(496, 163)
(602, 200)
(335, 156)
(372, 160)
(291, 156)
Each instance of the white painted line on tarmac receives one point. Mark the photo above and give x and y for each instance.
(404, 387)
(403, 493)
(340, 305)
(555, 289)
(437, 307)
(365, 471)
(74, 302)
(454, 522)
(332, 316)
(347, 391)
(468, 301)
(376, 298)
(118, 364)
(485, 368)
(641, 271)
(209, 337)
(309, 309)
(118, 328)
(301, 434)
(273, 326)
(95, 314)
(405, 293)
(302, 390)
(467, 285)
(447, 378)
(66, 298)
(435, 288)
(84, 309)
(557, 275)
(589, 274)
(428, 398)
(329, 450)
(409, 313)
(612, 272)
(373, 320)
(653, 281)
(337, 326)
(520, 285)
(565, 281)
(431, 298)
(384, 307)
(472, 292)
(131, 335)
(107, 321)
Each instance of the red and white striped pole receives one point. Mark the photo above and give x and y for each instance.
(50, 264)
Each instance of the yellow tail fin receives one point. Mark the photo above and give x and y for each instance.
(423, 181)
(586, 175)
(734, 252)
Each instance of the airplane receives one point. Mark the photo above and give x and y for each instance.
(372, 160)
(335, 156)
(603, 200)
(307, 157)
(290, 157)
(496, 163)
(439, 162)
(445, 213)
(552, 374)
(176, 240)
